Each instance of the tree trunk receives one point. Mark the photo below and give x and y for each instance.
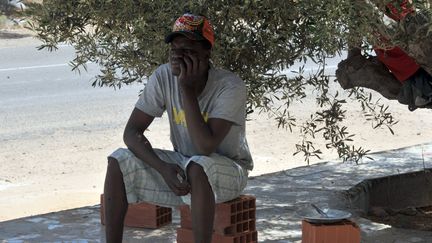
(359, 71)
(417, 37)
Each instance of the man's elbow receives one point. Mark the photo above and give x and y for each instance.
(127, 138)
(206, 149)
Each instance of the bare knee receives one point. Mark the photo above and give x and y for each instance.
(114, 176)
(114, 180)
(111, 160)
(113, 166)
(195, 173)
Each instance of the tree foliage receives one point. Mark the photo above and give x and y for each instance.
(258, 39)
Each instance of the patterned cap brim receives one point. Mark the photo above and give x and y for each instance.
(186, 34)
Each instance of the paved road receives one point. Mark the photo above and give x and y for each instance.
(39, 93)
(55, 131)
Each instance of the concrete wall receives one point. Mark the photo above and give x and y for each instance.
(395, 192)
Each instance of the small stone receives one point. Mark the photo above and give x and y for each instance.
(391, 212)
(378, 211)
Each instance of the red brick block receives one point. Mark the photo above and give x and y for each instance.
(186, 236)
(231, 217)
(340, 232)
(143, 215)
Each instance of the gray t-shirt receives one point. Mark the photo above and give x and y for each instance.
(224, 97)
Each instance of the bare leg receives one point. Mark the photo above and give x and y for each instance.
(203, 204)
(115, 202)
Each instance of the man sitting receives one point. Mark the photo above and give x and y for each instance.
(206, 108)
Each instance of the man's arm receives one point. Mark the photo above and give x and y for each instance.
(205, 136)
(136, 142)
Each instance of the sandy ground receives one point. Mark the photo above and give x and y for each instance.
(51, 173)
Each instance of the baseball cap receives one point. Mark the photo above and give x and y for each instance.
(194, 27)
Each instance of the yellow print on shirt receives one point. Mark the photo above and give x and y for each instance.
(180, 119)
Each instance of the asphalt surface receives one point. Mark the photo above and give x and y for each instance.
(39, 94)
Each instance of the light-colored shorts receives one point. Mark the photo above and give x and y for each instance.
(145, 184)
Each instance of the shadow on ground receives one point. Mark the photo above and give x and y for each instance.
(282, 199)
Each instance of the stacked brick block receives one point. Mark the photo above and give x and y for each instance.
(234, 222)
(143, 215)
(340, 232)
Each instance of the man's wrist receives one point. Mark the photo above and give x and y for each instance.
(160, 166)
(187, 90)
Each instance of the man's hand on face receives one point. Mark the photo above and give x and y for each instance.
(175, 178)
(193, 71)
